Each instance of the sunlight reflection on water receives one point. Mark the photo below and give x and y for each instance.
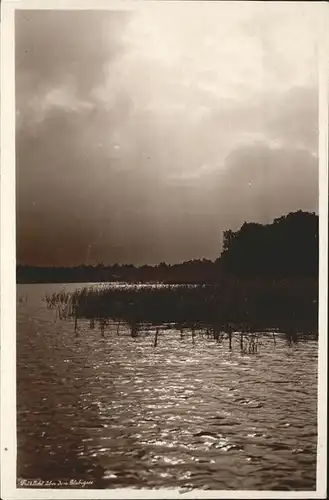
(181, 414)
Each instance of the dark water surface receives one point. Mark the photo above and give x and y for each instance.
(184, 414)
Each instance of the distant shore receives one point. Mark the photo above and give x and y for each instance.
(287, 249)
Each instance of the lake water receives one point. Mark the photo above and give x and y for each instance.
(189, 413)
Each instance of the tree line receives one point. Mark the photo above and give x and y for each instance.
(288, 248)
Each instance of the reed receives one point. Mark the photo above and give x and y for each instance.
(229, 306)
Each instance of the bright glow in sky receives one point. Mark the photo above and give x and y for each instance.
(120, 112)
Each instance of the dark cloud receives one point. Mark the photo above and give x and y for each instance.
(265, 182)
(113, 218)
(55, 46)
(294, 118)
(116, 163)
(289, 117)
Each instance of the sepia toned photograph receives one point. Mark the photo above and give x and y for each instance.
(167, 247)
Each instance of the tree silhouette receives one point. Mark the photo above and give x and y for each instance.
(286, 248)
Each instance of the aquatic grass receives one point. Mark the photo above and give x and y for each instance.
(243, 306)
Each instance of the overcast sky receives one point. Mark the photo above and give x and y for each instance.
(142, 135)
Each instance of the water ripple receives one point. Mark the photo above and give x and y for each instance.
(184, 414)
